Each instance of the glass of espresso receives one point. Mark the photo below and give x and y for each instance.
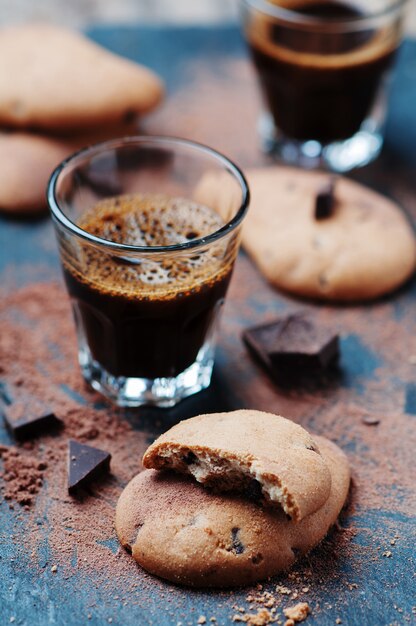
(148, 230)
(323, 68)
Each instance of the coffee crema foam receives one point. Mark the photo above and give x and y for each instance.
(380, 43)
(149, 220)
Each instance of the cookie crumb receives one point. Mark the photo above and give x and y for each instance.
(54, 569)
(388, 553)
(370, 420)
(283, 590)
(202, 619)
(261, 618)
(297, 613)
(338, 620)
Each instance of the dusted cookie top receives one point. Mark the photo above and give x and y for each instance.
(178, 530)
(364, 249)
(264, 456)
(56, 79)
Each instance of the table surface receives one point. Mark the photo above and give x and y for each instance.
(212, 98)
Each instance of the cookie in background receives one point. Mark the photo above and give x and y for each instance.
(59, 92)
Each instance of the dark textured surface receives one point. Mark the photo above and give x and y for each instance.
(351, 580)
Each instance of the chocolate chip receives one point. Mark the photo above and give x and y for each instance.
(293, 345)
(254, 490)
(236, 546)
(85, 464)
(325, 201)
(257, 558)
(189, 458)
(29, 417)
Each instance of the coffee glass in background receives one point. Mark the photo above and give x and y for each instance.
(148, 231)
(323, 68)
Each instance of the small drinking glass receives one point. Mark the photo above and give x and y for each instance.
(323, 68)
(148, 231)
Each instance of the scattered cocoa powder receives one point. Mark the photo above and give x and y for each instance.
(38, 354)
(22, 475)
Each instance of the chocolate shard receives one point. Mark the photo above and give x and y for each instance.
(85, 464)
(29, 418)
(293, 345)
(325, 201)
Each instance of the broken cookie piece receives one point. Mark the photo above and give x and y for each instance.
(265, 457)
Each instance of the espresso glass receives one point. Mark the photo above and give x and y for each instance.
(146, 314)
(323, 68)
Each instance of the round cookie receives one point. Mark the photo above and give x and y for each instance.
(366, 248)
(26, 162)
(178, 530)
(57, 79)
(262, 455)
(28, 159)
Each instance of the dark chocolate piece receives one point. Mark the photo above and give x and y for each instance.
(254, 491)
(85, 464)
(293, 345)
(236, 545)
(29, 418)
(325, 201)
(189, 458)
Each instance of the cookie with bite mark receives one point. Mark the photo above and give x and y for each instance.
(178, 530)
(263, 456)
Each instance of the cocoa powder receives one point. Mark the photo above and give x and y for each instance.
(38, 356)
(22, 476)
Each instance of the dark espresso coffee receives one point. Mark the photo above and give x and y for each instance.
(319, 84)
(148, 318)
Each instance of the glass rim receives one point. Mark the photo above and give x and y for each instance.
(138, 140)
(292, 17)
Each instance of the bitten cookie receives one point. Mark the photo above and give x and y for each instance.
(364, 249)
(55, 79)
(178, 530)
(263, 456)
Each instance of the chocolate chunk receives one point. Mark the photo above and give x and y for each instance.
(254, 491)
(85, 464)
(236, 545)
(29, 418)
(325, 201)
(257, 558)
(189, 458)
(293, 345)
